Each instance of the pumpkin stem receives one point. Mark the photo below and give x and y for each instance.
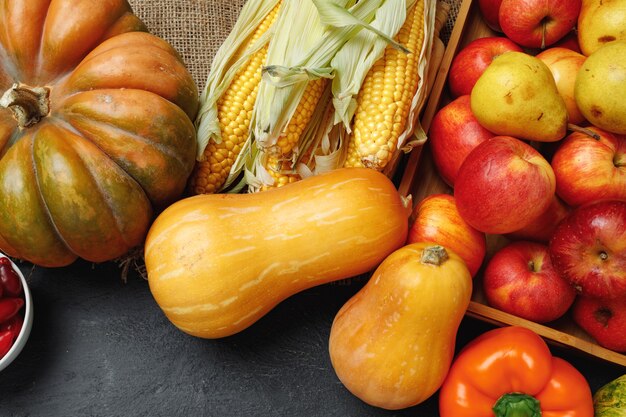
(28, 104)
(517, 405)
(435, 255)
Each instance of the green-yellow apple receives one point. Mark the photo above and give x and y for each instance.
(588, 169)
(471, 61)
(599, 22)
(564, 65)
(588, 249)
(503, 185)
(453, 133)
(538, 23)
(437, 220)
(520, 279)
(601, 87)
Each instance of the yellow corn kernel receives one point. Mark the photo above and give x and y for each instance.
(280, 171)
(234, 113)
(384, 101)
(353, 158)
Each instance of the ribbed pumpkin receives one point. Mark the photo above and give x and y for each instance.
(95, 129)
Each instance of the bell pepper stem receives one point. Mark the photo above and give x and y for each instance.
(517, 405)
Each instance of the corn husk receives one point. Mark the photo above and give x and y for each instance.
(344, 98)
(358, 55)
(302, 51)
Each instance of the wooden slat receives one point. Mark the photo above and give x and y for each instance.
(500, 318)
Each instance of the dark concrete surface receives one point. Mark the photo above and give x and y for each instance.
(102, 347)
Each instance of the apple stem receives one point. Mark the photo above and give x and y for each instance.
(543, 34)
(588, 132)
(531, 266)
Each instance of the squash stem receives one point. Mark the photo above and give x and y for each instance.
(517, 405)
(28, 104)
(435, 255)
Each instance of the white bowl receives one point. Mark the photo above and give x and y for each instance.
(21, 339)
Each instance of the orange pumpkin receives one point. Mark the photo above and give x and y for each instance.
(96, 129)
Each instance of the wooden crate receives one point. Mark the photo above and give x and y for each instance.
(420, 179)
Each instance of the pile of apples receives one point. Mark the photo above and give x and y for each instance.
(533, 146)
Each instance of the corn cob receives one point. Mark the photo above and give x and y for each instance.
(355, 59)
(234, 113)
(384, 101)
(279, 161)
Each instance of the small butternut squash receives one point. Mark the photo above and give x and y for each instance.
(217, 263)
(392, 343)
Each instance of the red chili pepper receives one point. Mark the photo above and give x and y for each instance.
(9, 307)
(14, 324)
(9, 279)
(6, 341)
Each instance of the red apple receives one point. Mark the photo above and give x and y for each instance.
(437, 220)
(569, 41)
(588, 248)
(542, 228)
(471, 61)
(453, 133)
(538, 23)
(605, 321)
(589, 169)
(564, 65)
(503, 185)
(490, 11)
(519, 279)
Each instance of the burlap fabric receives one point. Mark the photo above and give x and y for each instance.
(196, 28)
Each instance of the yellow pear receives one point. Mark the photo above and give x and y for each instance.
(599, 22)
(517, 96)
(600, 88)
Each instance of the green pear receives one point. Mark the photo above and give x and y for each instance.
(517, 96)
(599, 22)
(600, 88)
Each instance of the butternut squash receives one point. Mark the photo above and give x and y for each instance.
(392, 343)
(217, 263)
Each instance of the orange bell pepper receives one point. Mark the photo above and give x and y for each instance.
(510, 372)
